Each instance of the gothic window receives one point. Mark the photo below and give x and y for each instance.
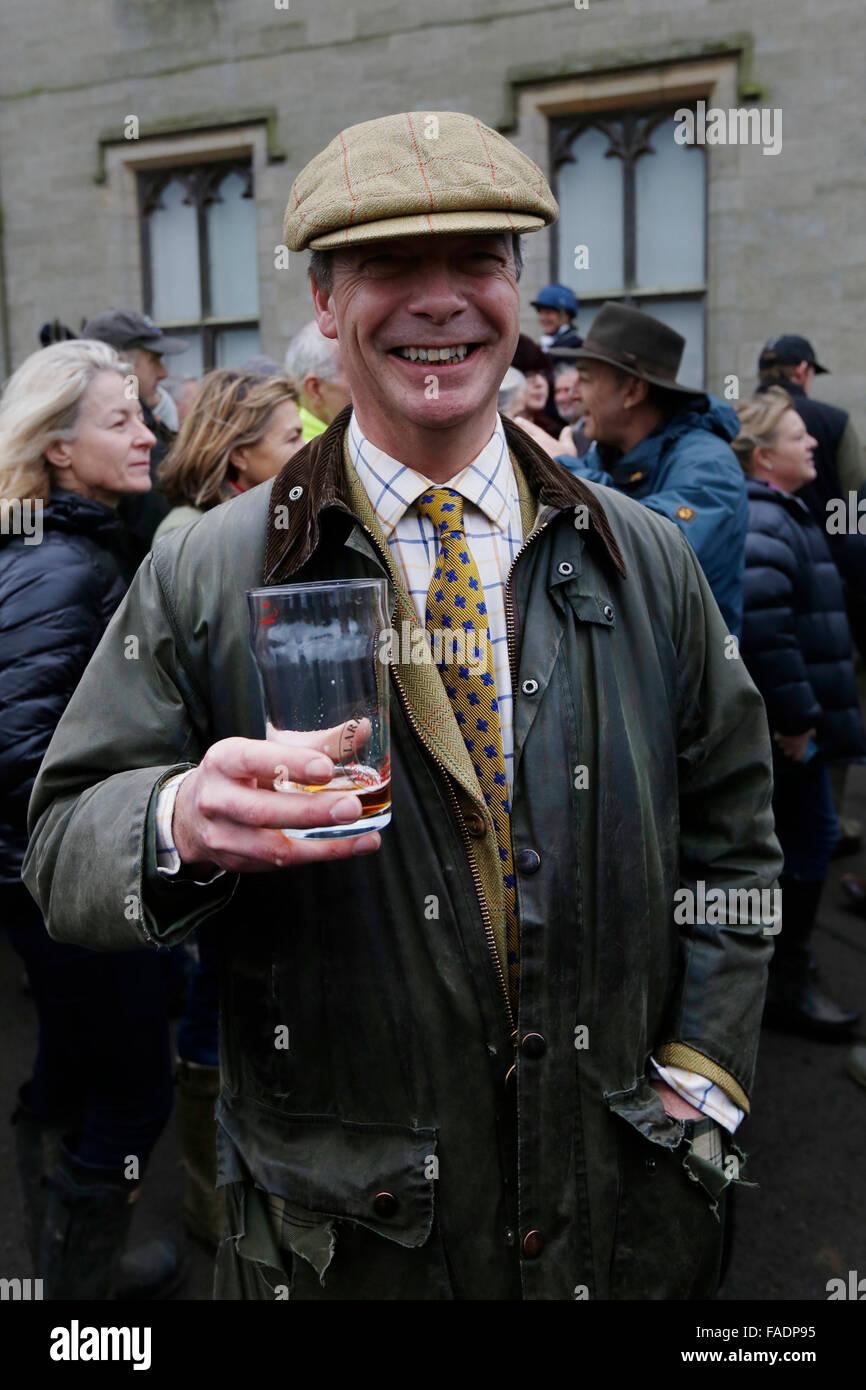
(198, 227)
(633, 220)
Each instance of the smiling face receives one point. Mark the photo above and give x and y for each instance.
(600, 395)
(427, 328)
(551, 319)
(110, 454)
(564, 388)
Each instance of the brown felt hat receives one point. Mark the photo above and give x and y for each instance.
(638, 344)
(411, 174)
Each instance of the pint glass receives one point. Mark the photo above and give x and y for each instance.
(316, 648)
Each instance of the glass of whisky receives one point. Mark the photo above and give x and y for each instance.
(316, 649)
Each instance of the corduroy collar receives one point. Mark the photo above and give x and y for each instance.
(313, 480)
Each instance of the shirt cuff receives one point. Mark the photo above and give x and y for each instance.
(703, 1094)
(168, 863)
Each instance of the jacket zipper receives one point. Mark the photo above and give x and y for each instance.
(464, 833)
(509, 606)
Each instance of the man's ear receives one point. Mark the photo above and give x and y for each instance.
(238, 459)
(801, 376)
(325, 317)
(636, 392)
(57, 453)
(312, 388)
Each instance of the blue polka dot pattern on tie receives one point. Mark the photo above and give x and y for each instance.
(455, 590)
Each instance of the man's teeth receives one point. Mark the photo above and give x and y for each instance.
(432, 354)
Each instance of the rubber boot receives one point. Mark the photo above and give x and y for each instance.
(37, 1145)
(86, 1225)
(203, 1205)
(794, 1004)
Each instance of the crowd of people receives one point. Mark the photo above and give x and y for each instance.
(116, 471)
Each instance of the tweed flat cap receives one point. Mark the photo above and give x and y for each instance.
(414, 173)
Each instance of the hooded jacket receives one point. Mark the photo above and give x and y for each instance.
(56, 597)
(414, 1139)
(687, 471)
(796, 640)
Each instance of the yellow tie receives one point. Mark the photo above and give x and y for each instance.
(455, 604)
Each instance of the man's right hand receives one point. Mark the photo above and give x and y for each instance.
(227, 813)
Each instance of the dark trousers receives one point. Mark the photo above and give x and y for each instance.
(103, 1060)
(806, 821)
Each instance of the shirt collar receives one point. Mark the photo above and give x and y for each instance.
(392, 487)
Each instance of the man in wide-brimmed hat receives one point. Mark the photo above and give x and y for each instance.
(664, 442)
(505, 1063)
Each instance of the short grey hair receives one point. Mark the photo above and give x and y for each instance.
(513, 385)
(321, 267)
(310, 353)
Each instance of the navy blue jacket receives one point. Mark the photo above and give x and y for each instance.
(827, 424)
(56, 598)
(796, 640)
(687, 470)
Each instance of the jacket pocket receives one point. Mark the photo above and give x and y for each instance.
(351, 1205)
(670, 1217)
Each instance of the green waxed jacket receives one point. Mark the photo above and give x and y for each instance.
(411, 1142)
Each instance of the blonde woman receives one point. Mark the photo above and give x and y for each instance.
(239, 432)
(73, 442)
(797, 645)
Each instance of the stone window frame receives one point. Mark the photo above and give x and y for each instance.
(201, 181)
(249, 140)
(722, 80)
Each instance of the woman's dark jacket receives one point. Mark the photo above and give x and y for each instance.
(796, 640)
(56, 598)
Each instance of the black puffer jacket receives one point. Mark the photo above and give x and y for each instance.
(56, 598)
(796, 640)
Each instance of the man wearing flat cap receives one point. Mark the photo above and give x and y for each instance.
(515, 1064)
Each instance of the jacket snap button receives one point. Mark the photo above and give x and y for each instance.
(533, 1244)
(475, 824)
(565, 567)
(295, 493)
(509, 1236)
(650, 1166)
(533, 1045)
(528, 861)
(385, 1204)
(529, 687)
(608, 612)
